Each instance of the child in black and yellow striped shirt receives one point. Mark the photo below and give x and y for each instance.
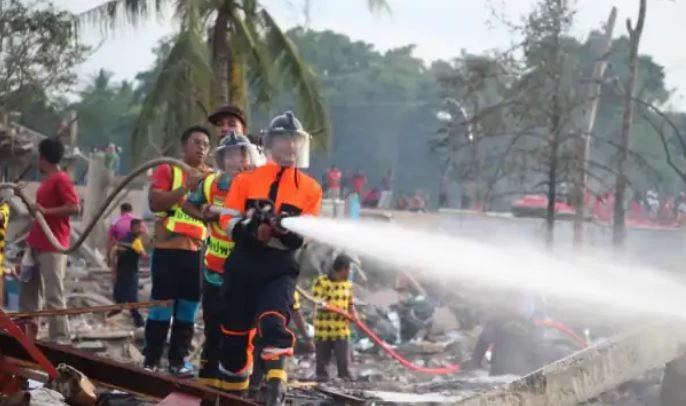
(332, 331)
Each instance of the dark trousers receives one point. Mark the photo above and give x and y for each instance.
(249, 301)
(126, 291)
(176, 275)
(340, 349)
(211, 314)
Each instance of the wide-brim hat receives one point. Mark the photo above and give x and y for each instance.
(227, 110)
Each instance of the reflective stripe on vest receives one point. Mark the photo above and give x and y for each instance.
(176, 220)
(220, 245)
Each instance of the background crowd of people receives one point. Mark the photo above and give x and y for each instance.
(339, 184)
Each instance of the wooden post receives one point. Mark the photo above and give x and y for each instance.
(95, 192)
(73, 128)
(585, 139)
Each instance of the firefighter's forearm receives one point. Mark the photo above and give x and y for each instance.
(160, 200)
(193, 210)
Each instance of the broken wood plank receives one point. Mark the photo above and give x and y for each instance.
(104, 335)
(592, 371)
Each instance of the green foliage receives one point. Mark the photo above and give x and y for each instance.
(381, 107)
(245, 38)
(106, 113)
(520, 116)
(38, 53)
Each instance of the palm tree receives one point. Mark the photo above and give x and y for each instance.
(245, 49)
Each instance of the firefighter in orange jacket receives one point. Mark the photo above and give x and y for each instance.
(261, 272)
(233, 155)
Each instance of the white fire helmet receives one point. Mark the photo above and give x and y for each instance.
(287, 125)
(235, 141)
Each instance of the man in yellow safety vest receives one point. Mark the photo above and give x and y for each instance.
(175, 264)
(233, 155)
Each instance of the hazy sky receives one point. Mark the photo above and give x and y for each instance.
(439, 28)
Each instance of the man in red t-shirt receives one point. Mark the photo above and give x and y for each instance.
(56, 200)
(358, 181)
(333, 180)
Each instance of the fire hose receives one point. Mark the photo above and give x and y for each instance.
(171, 161)
(101, 210)
(448, 369)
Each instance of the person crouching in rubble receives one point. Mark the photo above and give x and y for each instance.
(129, 249)
(259, 365)
(331, 330)
(261, 272)
(517, 347)
(176, 257)
(233, 155)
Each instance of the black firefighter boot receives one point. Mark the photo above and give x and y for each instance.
(276, 381)
(255, 388)
(276, 392)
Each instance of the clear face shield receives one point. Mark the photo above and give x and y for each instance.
(290, 148)
(256, 156)
(232, 159)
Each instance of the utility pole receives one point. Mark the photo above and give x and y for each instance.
(585, 139)
(619, 225)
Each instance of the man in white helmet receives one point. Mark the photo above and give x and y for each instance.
(234, 155)
(261, 272)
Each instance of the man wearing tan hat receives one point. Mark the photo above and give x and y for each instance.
(228, 118)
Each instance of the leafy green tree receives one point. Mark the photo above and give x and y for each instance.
(519, 148)
(382, 106)
(38, 53)
(107, 113)
(245, 46)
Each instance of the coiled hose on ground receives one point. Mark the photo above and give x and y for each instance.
(101, 210)
(448, 369)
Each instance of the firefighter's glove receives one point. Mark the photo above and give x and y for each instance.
(264, 232)
(275, 222)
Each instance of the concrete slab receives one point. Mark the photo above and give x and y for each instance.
(590, 372)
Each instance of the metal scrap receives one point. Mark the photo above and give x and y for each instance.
(114, 374)
(89, 309)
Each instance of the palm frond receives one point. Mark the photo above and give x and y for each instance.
(114, 13)
(247, 41)
(182, 86)
(250, 8)
(193, 15)
(297, 75)
(378, 6)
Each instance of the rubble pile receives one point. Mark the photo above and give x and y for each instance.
(428, 333)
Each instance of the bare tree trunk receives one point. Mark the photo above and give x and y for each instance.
(238, 85)
(585, 139)
(553, 164)
(221, 54)
(555, 127)
(619, 226)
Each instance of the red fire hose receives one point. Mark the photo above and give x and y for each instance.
(562, 328)
(381, 343)
(413, 367)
